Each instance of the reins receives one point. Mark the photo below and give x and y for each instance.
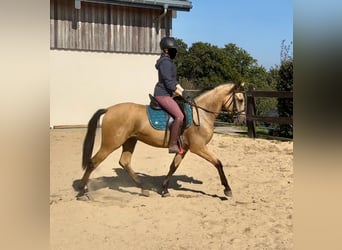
(192, 103)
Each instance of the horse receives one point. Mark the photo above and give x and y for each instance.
(124, 124)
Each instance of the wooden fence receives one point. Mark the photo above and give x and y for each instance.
(251, 116)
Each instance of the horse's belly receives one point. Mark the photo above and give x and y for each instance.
(154, 138)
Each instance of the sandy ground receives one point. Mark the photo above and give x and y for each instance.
(196, 216)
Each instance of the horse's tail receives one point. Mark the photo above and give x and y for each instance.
(89, 139)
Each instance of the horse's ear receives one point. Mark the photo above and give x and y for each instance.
(239, 86)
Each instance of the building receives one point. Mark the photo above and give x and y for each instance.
(103, 52)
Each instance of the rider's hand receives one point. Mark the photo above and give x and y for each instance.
(178, 86)
(185, 95)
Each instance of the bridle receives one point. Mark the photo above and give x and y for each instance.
(235, 111)
(232, 100)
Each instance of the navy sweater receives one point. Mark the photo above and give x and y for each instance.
(167, 74)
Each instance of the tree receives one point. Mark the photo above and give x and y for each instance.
(203, 66)
(207, 65)
(181, 62)
(285, 83)
(240, 62)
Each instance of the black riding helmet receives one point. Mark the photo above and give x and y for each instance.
(168, 43)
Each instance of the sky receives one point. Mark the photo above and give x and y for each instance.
(257, 26)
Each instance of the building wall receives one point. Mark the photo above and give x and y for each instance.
(82, 82)
(100, 55)
(106, 27)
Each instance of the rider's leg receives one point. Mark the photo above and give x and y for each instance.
(173, 109)
(174, 134)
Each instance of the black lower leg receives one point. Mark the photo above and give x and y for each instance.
(165, 191)
(173, 167)
(223, 178)
(85, 178)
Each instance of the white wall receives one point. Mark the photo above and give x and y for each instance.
(82, 82)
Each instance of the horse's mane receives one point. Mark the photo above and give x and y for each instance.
(207, 91)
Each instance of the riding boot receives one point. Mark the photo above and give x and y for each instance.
(174, 134)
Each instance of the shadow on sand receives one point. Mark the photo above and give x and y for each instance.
(152, 183)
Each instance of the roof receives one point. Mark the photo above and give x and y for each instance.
(180, 5)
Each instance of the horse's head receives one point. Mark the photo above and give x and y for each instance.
(235, 103)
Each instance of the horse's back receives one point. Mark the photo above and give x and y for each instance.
(126, 105)
(125, 112)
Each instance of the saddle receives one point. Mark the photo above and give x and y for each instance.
(154, 103)
(160, 119)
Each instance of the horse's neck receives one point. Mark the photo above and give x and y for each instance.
(212, 102)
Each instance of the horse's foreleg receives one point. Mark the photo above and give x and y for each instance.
(206, 154)
(173, 167)
(125, 162)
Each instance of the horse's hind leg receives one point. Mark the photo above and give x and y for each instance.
(99, 157)
(125, 162)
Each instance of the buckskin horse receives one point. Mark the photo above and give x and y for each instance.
(124, 124)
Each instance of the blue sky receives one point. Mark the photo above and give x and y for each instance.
(257, 26)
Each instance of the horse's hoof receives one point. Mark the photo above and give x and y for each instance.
(165, 193)
(145, 192)
(78, 185)
(83, 197)
(228, 193)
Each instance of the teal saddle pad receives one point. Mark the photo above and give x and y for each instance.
(159, 118)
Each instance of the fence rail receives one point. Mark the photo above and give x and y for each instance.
(251, 116)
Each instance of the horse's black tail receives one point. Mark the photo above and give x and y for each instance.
(89, 139)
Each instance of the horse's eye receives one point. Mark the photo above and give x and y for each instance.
(239, 97)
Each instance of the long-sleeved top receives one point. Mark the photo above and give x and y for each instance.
(167, 74)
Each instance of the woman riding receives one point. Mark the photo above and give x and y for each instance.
(167, 86)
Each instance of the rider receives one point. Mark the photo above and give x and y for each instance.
(168, 86)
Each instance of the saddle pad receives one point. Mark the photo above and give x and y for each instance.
(158, 118)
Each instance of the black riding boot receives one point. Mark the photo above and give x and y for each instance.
(174, 134)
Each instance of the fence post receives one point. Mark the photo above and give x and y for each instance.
(251, 110)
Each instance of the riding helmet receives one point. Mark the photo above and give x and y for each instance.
(168, 43)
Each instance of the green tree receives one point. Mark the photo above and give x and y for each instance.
(240, 62)
(207, 65)
(247, 70)
(181, 62)
(203, 66)
(285, 83)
